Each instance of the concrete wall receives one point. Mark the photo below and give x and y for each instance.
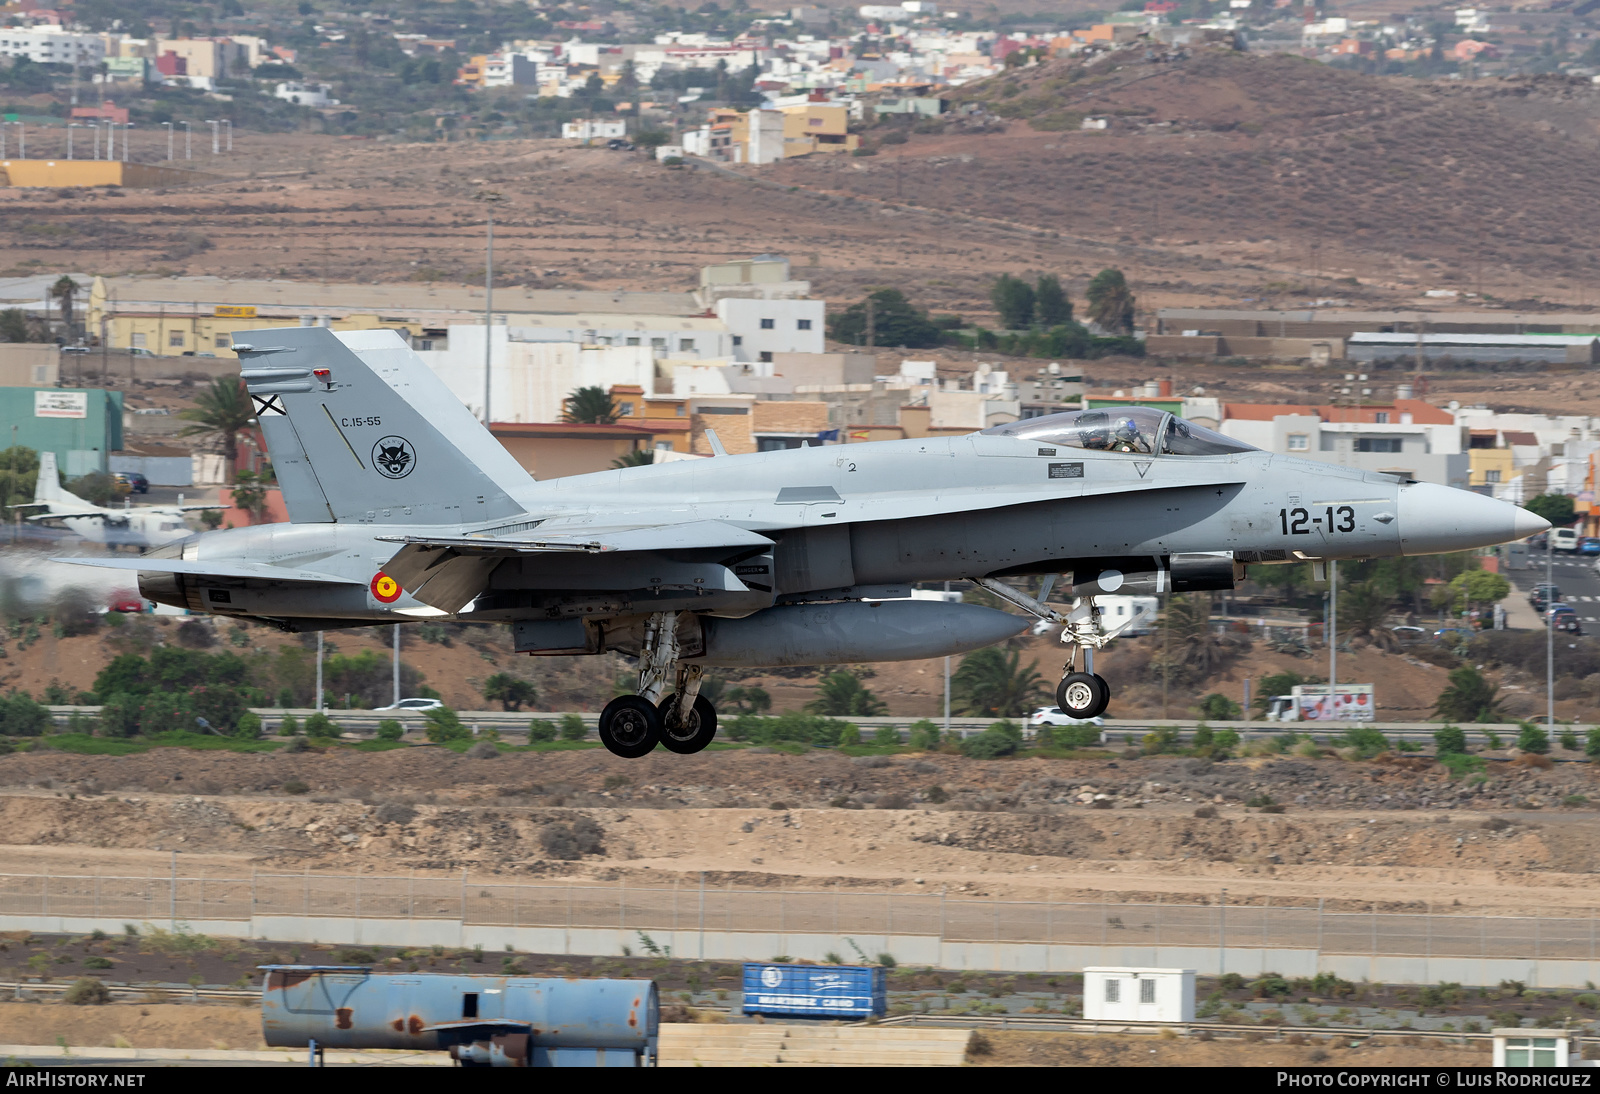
(54, 173)
(29, 364)
(908, 949)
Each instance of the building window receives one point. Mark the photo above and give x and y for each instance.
(780, 444)
(1299, 442)
(223, 341)
(803, 324)
(175, 338)
(633, 341)
(1377, 444)
(425, 343)
(1113, 991)
(1491, 476)
(658, 343)
(686, 345)
(738, 340)
(1147, 991)
(138, 341)
(624, 410)
(766, 324)
(1530, 1052)
(1382, 417)
(766, 356)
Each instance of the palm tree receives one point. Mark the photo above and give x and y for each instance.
(991, 683)
(591, 406)
(1362, 611)
(841, 694)
(1194, 647)
(1111, 303)
(62, 292)
(221, 412)
(639, 457)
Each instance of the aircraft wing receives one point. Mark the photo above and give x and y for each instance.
(448, 572)
(108, 517)
(221, 569)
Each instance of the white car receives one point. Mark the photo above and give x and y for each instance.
(414, 704)
(1053, 716)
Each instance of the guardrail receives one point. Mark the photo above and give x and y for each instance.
(364, 723)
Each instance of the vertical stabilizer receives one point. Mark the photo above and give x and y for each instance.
(362, 432)
(48, 486)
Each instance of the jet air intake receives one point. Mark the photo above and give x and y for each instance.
(1146, 576)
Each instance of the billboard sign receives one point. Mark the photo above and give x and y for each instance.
(818, 991)
(60, 404)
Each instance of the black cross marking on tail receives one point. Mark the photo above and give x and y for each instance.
(270, 404)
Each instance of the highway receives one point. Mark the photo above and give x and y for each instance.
(1574, 575)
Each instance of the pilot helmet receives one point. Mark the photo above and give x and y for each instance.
(1127, 429)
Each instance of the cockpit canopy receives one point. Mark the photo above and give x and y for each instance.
(1137, 429)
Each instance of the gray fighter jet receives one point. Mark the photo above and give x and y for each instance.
(403, 507)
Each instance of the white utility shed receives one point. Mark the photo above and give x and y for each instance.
(1138, 995)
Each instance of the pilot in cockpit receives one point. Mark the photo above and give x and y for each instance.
(1127, 438)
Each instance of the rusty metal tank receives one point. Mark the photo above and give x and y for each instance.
(512, 1021)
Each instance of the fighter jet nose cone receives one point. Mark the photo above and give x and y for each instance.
(1438, 518)
(1527, 524)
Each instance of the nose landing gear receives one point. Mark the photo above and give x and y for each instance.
(669, 709)
(1079, 694)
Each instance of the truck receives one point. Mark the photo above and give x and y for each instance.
(1309, 703)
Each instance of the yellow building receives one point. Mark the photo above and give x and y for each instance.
(1491, 466)
(817, 127)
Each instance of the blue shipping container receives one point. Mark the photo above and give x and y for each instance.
(815, 991)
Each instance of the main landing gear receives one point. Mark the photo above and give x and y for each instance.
(1079, 694)
(669, 709)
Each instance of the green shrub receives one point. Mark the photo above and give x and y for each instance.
(1160, 740)
(1224, 742)
(248, 726)
(1366, 741)
(1204, 737)
(794, 727)
(296, 786)
(95, 961)
(22, 716)
(992, 743)
(1449, 741)
(925, 735)
(320, 725)
(886, 735)
(541, 729)
(390, 729)
(1460, 766)
(1220, 708)
(1591, 744)
(1044, 737)
(572, 728)
(443, 725)
(1532, 738)
(1569, 739)
(849, 735)
(86, 991)
(119, 715)
(1270, 985)
(288, 727)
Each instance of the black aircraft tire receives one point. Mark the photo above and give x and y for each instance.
(1082, 695)
(1105, 690)
(692, 737)
(630, 726)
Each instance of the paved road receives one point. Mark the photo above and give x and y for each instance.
(1577, 579)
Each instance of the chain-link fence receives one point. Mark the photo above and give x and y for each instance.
(691, 906)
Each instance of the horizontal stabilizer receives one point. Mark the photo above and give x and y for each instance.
(239, 570)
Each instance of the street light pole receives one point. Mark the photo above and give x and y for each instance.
(188, 143)
(126, 133)
(169, 140)
(216, 128)
(1333, 632)
(488, 319)
(229, 123)
(1549, 631)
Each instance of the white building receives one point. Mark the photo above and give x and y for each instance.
(591, 129)
(1138, 995)
(50, 45)
(510, 70)
(305, 94)
(530, 381)
(760, 328)
(1408, 437)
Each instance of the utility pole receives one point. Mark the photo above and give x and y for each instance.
(488, 319)
(188, 142)
(397, 664)
(216, 129)
(1549, 632)
(125, 135)
(1333, 631)
(946, 737)
(319, 670)
(169, 140)
(229, 123)
(872, 322)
